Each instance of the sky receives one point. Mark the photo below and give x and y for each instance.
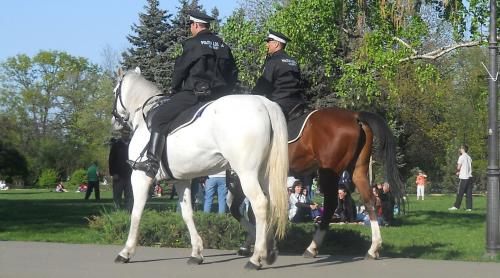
(79, 27)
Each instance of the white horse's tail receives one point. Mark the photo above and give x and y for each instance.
(277, 169)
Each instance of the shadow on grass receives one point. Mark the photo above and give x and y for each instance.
(439, 218)
(55, 215)
(419, 251)
(29, 193)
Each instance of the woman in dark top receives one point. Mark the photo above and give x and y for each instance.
(346, 209)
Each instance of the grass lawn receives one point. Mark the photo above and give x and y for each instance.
(43, 215)
(428, 230)
(431, 231)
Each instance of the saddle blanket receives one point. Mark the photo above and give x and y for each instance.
(182, 120)
(188, 117)
(296, 126)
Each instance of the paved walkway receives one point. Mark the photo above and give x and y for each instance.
(57, 260)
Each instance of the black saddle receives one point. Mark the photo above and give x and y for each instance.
(182, 120)
(296, 125)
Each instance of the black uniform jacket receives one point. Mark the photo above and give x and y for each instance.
(280, 78)
(206, 63)
(118, 156)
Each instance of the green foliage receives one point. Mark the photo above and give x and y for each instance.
(315, 41)
(152, 46)
(157, 41)
(56, 108)
(247, 44)
(78, 177)
(48, 178)
(168, 229)
(456, 235)
(12, 163)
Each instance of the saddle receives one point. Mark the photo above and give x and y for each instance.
(297, 111)
(184, 119)
(296, 124)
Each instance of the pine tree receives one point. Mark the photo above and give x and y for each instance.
(215, 26)
(180, 23)
(152, 46)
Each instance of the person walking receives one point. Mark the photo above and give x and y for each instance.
(421, 182)
(213, 183)
(206, 70)
(120, 170)
(281, 79)
(464, 173)
(93, 181)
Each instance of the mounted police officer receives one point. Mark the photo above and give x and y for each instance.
(206, 70)
(281, 79)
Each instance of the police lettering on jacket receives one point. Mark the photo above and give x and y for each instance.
(206, 63)
(280, 78)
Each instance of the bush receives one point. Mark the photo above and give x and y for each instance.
(48, 178)
(78, 177)
(168, 229)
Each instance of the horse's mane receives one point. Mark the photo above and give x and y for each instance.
(139, 80)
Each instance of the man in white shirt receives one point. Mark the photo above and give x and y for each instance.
(464, 173)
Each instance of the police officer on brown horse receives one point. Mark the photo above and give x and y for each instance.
(281, 80)
(206, 70)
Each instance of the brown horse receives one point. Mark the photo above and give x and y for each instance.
(334, 140)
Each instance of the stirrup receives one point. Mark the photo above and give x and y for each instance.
(150, 166)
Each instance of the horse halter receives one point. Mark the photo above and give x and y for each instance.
(123, 121)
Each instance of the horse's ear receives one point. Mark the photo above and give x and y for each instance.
(137, 70)
(119, 72)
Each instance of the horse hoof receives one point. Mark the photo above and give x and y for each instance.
(308, 254)
(252, 266)
(368, 256)
(244, 252)
(121, 260)
(272, 256)
(195, 260)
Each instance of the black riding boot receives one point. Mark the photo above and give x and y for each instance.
(152, 164)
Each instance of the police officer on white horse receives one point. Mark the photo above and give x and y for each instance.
(206, 70)
(281, 79)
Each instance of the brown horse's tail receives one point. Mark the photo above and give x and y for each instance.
(385, 152)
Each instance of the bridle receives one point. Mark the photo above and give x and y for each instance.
(123, 121)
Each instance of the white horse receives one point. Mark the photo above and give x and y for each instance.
(246, 132)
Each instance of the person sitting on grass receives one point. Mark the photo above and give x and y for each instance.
(60, 187)
(3, 185)
(314, 213)
(299, 209)
(158, 190)
(387, 204)
(82, 188)
(346, 209)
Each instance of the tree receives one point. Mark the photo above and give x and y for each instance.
(366, 55)
(180, 23)
(56, 108)
(12, 163)
(153, 46)
(111, 60)
(247, 44)
(48, 178)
